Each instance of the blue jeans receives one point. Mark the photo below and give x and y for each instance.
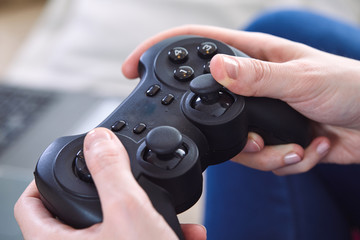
(323, 203)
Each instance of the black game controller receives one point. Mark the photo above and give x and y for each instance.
(176, 122)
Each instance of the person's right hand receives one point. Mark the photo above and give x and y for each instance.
(323, 87)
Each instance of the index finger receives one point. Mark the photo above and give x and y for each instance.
(258, 45)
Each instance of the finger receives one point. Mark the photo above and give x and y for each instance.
(36, 222)
(257, 45)
(271, 157)
(254, 143)
(194, 231)
(318, 149)
(252, 77)
(109, 165)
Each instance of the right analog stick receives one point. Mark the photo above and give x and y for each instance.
(210, 97)
(206, 88)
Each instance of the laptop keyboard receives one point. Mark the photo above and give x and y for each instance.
(18, 108)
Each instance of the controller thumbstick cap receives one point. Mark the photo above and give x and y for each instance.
(204, 84)
(164, 140)
(206, 88)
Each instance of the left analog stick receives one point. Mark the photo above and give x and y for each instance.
(81, 169)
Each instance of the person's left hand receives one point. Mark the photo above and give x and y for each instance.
(127, 210)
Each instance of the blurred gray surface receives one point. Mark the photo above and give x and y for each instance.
(81, 44)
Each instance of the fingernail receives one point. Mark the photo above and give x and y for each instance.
(251, 146)
(231, 67)
(203, 228)
(323, 148)
(95, 136)
(292, 158)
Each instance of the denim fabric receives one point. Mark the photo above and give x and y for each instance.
(324, 203)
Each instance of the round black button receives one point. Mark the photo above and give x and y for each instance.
(184, 73)
(178, 54)
(207, 49)
(206, 67)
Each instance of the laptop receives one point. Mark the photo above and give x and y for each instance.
(29, 121)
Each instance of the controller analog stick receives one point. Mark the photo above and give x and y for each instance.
(210, 97)
(81, 169)
(206, 88)
(164, 147)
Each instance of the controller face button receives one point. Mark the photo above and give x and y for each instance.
(206, 67)
(81, 169)
(184, 73)
(178, 55)
(168, 99)
(118, 125)
(153, 90)
(139, 128)
(207, 49)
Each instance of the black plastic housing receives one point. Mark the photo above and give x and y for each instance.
(208, 139)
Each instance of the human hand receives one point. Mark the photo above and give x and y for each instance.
(127, 210)
(323, 87)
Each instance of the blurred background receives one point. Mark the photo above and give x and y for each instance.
(79, 45)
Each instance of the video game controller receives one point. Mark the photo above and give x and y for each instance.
(176, 123)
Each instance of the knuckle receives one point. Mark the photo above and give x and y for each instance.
(261, 70)
(102, 157)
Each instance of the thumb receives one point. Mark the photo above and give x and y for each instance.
(109, 165)
(252, 77)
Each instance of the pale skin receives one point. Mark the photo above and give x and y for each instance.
(323, 87)
(127, 211)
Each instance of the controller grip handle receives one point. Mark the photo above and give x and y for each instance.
(163, 204)
(277, 122)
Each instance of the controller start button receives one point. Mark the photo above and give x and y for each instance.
(178, 54)
(207, 49)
